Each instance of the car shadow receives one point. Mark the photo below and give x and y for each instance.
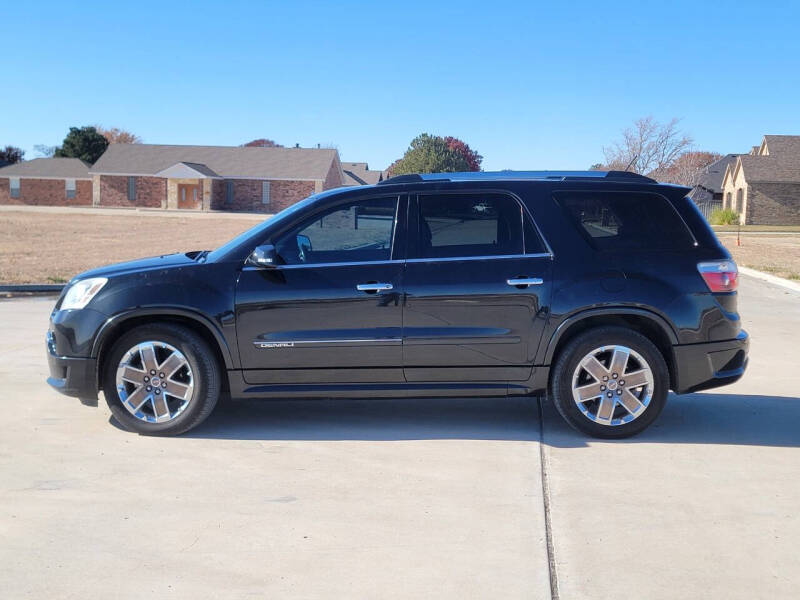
(374, 420)
(715, 418)
(709, 418)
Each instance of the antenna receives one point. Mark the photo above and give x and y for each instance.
(633, 160)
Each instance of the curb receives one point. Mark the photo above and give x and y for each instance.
(32, 289)
(782, 282)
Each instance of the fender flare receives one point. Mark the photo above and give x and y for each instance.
(660, 321)
(159, 311)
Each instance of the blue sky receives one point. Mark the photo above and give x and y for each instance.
(529, 85)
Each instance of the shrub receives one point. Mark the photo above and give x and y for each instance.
(724, 216)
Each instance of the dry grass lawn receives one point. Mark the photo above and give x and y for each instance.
(40, 247)
(776, 254)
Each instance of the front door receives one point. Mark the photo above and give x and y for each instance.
(476, 301)
(332, 312)
(189, 196)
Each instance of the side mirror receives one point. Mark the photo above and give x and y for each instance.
(263, 256)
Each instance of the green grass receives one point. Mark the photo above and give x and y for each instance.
(52, 279)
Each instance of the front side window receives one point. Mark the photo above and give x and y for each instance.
(229, 192)
(69, 186)
(626, 221)
(132, 189)
(14, 183)
(468, 225)
(354, 232)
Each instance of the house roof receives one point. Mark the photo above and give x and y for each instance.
(769, 168)
(187, 170)
(778, 160)
(711, 178)
(358, 173)
(49, 168)
(224, 161)
(785, 145)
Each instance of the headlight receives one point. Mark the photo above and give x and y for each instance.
(81, 293)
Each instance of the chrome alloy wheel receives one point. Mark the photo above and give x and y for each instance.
(154, 382)
(612, 385)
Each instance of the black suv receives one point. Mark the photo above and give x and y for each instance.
(603, 290)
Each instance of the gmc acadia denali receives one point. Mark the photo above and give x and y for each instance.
(604, 290)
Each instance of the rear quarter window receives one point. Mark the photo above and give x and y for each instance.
(625, 220)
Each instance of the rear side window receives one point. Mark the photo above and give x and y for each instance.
(465, 225)
(625, 220)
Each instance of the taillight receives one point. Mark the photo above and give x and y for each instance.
(720, 275)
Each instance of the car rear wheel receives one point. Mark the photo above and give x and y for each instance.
(610, 382)
(161, 379)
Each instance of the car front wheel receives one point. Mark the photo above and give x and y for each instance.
(610, 382)
(161, 379)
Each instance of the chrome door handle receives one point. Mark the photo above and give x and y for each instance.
(374, 287)
(525, 281)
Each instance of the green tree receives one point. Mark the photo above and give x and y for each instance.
(11, 154)
(435, 154)
(84, 143)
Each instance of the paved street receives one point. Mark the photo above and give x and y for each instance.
(404, 499)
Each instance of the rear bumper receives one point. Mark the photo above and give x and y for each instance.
(710, 365)
(72, 376)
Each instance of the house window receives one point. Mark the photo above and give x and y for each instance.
(728, 201)
(131, 189)
(265, 193)
(739, 200)
(69, 186)
(229, 192)
(14, 182)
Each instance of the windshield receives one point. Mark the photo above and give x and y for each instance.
(254, 231)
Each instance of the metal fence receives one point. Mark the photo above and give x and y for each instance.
(708, 207)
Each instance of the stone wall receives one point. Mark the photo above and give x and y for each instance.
(46, 192)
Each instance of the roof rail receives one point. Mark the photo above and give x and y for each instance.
(500, 175)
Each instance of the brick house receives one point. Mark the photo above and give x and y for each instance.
(46, 182)
(212, 177)
(358, 173)
(764, 185)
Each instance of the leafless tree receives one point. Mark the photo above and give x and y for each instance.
(44, 150)
(647, 146)
(687, 169)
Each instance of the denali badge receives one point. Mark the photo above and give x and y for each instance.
(275, 344)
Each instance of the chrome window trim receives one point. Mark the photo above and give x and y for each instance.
(409, 260)
(332, 264)
(490, 257)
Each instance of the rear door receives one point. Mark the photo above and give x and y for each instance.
(477, 286)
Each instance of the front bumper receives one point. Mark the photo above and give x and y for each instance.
(709, 365)
(72, 376)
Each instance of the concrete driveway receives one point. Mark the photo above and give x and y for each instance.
(402, 499)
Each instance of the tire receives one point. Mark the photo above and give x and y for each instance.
(633, 408)
(170, 413)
